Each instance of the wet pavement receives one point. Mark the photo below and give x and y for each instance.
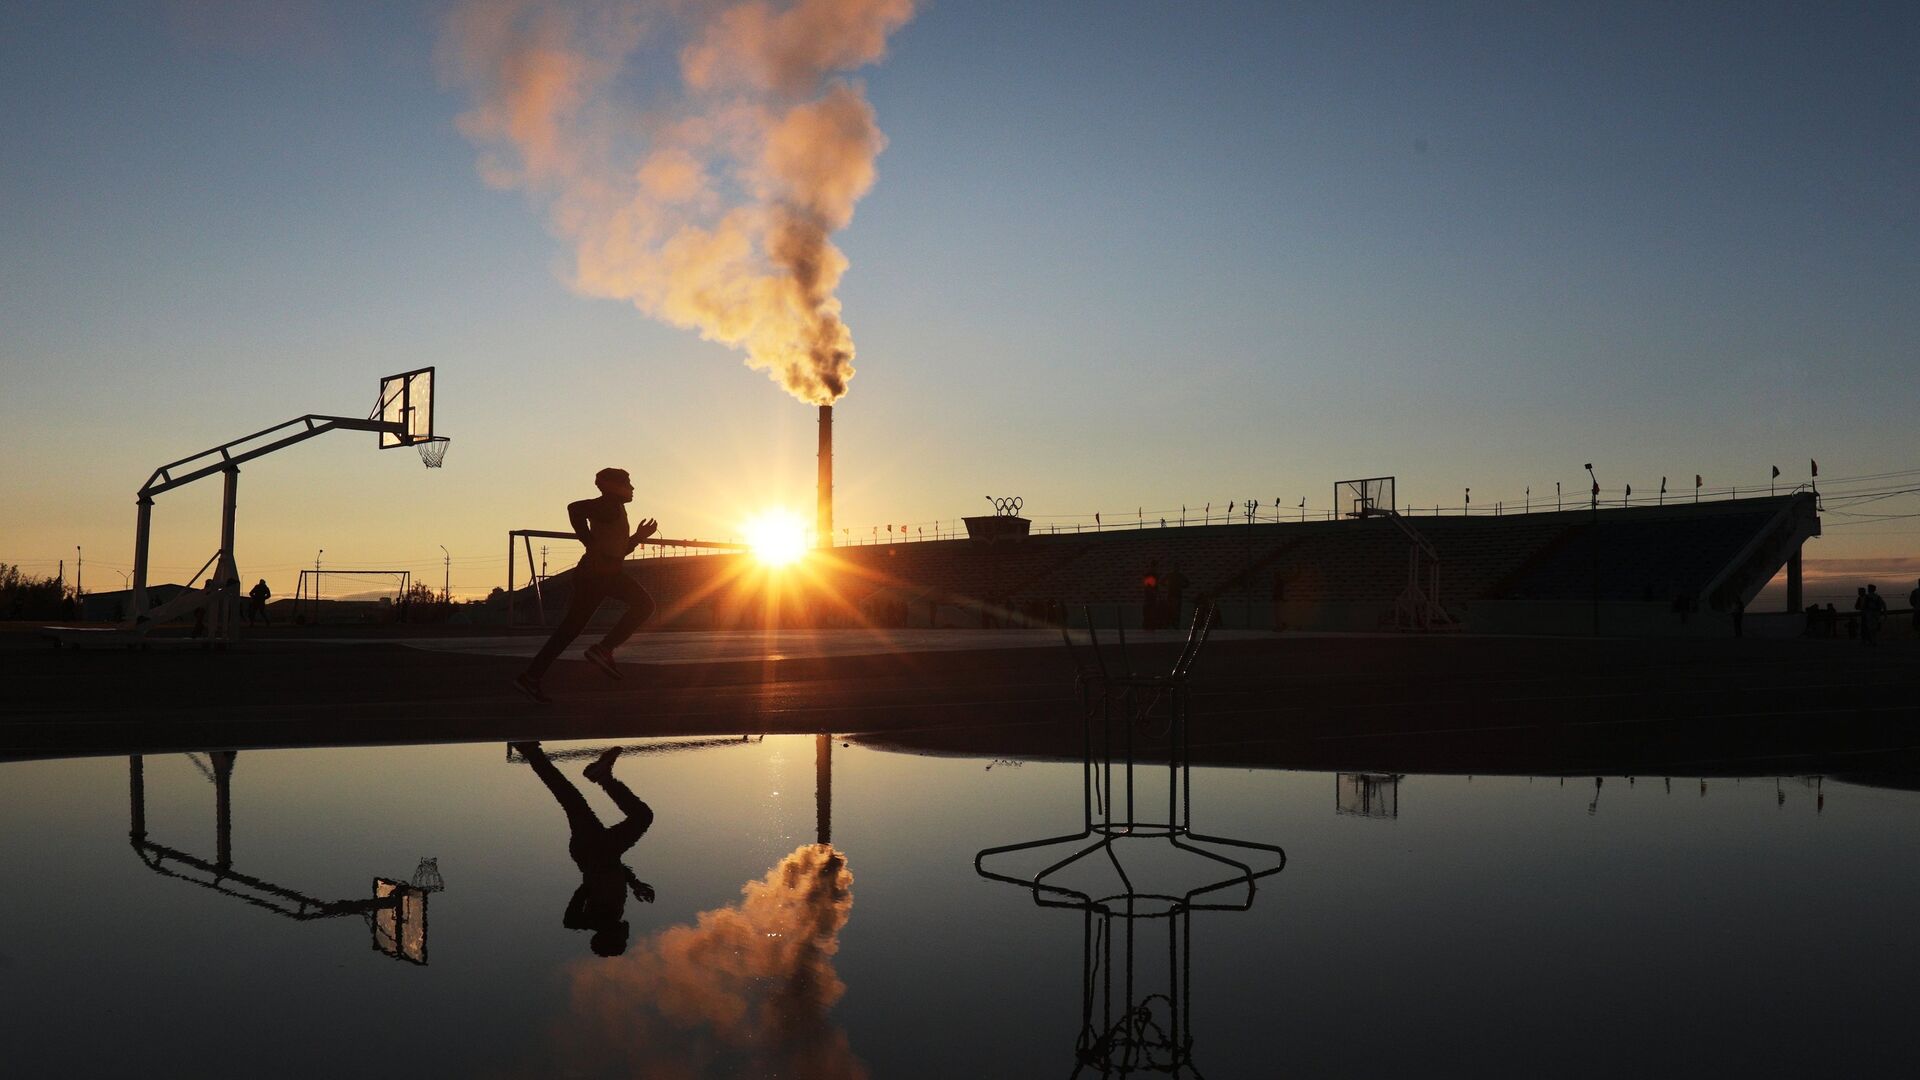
(815, 910)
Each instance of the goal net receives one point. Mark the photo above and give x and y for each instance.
(1374, 795)
(351, 596)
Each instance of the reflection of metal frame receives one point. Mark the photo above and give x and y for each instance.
(657, 746)
(1371, 795)
(1122, 1029)
(219, 875)
(1124, 1033)
(1126, 700)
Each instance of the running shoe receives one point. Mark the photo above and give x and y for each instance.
(530, 686)
(602, 767)
(599, 656)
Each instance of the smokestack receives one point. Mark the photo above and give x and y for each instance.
(823, 510)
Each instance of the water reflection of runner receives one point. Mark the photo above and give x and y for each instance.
(600, 903)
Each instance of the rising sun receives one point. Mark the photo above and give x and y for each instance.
(776, 537)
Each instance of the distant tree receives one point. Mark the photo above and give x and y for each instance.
(421, 603)
(23, 596)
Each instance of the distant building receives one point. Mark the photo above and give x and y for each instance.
(118, 605)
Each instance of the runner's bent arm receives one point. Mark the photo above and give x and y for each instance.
(577, 516)
(642, 891)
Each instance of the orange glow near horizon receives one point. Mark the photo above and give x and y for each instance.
(777, 537)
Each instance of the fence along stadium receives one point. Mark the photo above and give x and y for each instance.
(1638, 570)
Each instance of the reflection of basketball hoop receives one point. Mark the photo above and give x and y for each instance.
(433, 450)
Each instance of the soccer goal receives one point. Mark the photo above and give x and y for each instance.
(355, 596)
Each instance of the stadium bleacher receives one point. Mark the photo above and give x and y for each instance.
(1340, 574)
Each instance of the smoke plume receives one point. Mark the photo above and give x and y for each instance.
(744, 991)
(698, 156)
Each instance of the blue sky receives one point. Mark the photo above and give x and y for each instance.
(1117, 255)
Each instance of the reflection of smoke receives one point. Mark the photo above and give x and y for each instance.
(744, 991)
(712, 205)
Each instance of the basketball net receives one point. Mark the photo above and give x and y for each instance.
(434, 451)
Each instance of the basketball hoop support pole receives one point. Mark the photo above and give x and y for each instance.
(226, 458)
(142, 529)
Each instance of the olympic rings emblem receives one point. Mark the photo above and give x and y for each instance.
(1007, 507)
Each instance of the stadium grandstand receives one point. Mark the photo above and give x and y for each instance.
(1649, 570)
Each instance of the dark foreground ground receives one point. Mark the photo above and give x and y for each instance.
(1383, 703)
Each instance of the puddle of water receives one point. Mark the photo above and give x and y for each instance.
(1423, 925)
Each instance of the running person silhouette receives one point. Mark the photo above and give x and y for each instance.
(601, 525)
(600, 903)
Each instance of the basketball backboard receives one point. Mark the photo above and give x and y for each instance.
(400, 923)
(1361, 498)
(406, 399)
(1374, 795)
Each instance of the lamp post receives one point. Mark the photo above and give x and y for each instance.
(1593, 548)
(1252, 508)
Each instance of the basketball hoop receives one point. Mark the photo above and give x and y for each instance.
(433, 450)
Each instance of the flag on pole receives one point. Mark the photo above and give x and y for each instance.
(1816, 466)
(1696, 480)
(1776, 471)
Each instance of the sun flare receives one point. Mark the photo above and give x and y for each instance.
(776, 537)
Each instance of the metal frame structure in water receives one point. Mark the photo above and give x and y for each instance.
(1124, 1029)
(1116, 702)
(396, 914)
